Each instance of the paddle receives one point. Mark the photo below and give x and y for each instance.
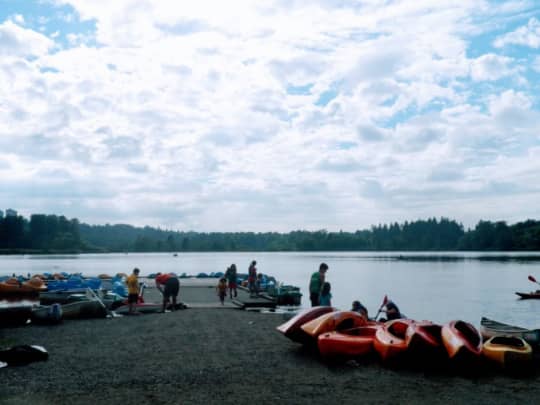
(92, 294)
(531, 278)
(385, 301)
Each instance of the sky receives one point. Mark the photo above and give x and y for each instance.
(270, 115)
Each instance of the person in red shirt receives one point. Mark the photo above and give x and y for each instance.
(169, 286)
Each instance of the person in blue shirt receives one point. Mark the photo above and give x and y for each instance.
(325, 300)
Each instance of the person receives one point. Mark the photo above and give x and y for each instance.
(232, 276)
(258, 283)
(221, 289)
(358, 307)
(315, 284)
(392, 312)
(133, 290)
(252, 278)
(169, 286)
(325, 300)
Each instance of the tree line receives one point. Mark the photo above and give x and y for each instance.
(55, 234)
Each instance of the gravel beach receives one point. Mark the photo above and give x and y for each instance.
(208, 354)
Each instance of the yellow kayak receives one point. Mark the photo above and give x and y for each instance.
(508, 351)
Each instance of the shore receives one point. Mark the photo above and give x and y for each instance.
(208, 354)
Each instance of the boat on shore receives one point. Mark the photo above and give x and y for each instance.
(390, 339)
(462, 341)
(293, 327)
(47, 314)
(348, 343)
(490, 328)
(333, 321)
(13, 287)
(508, 352)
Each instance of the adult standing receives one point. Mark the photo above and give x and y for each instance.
(252, 278)
(316, 283)
(133, 290)
(231, 275)
(169, 286)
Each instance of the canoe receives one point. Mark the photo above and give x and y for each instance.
(292, 328)
(47, 314)
(337, 320)
(390, 338)
(349, 343)
(423, 337)
(531, 295)
(83, 310)
(462, 341)
(490, 328)
(508, 352)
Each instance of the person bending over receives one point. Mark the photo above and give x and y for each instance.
(169, 286)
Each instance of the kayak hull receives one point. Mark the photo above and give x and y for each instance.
(349, 343)
(390, 339)
(293, 327)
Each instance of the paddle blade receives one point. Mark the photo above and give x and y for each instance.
(531, 278)
(385, 301)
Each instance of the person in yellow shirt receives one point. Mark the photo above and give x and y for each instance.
(133, 290)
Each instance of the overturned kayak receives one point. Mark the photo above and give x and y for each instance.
(462, 341)
(349, 343)
(508, 352)
(490, 328)
(390, 339)
(47, 314)
(292, 328)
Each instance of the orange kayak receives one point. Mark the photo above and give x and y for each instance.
(508, 352)
(462, 341)
(423, 337)
(338, 320)
(13, 286)
(292, 328)
(390, 339)
(349, 343)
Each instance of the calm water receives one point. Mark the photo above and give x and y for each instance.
(461, 287)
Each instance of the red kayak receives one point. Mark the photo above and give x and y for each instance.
(349, 343)
(292, 328)
(390, 339)
(462, 341)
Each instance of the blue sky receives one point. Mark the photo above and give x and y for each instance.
(270, 115)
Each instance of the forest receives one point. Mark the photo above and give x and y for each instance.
(56, 234)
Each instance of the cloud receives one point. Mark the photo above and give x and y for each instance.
(18, 41)
(528, 35)
(491, 67)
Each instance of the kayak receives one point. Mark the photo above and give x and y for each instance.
(348, 343)
(337, 320)
(47, 314)
(508, 352)
(423, 337)
(292, 328)
(490, 328)
(12, 286)
(531, 295)
(390, 339)
(462, 341)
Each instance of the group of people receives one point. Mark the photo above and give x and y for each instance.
(230, 282)
(320, 295)
(167, 283)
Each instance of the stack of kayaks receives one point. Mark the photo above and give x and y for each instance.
(346, 335)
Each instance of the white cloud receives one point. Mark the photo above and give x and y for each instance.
(528, 35)
(491, 67)
(184, 116)
(18, 41)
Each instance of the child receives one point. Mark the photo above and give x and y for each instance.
(326, 297)
(221, 289)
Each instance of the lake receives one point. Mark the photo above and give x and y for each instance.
(435, 286)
